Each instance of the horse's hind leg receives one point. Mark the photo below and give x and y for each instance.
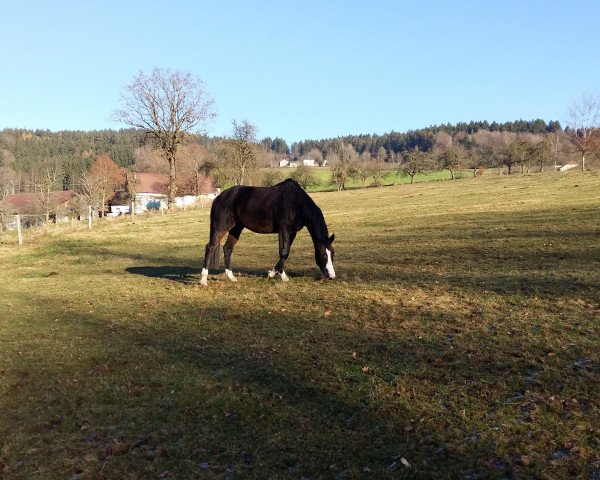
(212, 248)
(234, 235)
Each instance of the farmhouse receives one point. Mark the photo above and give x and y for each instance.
(293, 164)
(41, 207)
(308, 162)
(284, 163)
(149, 190)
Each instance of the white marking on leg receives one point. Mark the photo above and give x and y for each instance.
(329, 266)
(284, 277)
(204, 279)
(230, 276)
(272, 273)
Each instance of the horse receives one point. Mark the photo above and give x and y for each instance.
(284, 208)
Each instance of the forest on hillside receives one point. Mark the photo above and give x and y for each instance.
(41, 160)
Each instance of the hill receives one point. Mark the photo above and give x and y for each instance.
(460, 340)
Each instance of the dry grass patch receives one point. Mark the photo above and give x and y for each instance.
(461, 336)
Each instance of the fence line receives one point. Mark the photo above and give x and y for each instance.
(161, 211)
(19, 231)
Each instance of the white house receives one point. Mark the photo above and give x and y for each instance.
(308, 162)
(293, 164)
(284, 163)
(151, 191)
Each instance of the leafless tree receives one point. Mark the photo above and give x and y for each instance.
(101, 181)
(239, 155)
(167, 104)
(449, 157)
(6, 210)
(584, 126)
(415, 162)
(343, 163)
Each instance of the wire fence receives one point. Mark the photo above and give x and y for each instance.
(41, 221)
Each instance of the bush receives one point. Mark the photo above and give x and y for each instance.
(271, 178)
(304, 176)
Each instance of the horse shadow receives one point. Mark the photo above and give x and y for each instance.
(188, 275)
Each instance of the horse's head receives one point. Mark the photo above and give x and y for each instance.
(324, 257)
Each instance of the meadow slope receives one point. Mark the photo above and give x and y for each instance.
(460, 340)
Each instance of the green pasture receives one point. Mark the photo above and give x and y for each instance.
(323, 183)
(460, 340)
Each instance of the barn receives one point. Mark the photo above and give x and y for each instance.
(42, 207)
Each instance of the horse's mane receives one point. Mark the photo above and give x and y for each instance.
(312, 214)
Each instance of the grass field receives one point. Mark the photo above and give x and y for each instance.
(460, 340)
(322, 176)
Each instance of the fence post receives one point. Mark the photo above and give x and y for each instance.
(133, 212)
(19, 230)
(90, 217)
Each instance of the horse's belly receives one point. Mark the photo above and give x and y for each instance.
(260, 227)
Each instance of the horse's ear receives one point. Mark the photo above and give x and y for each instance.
(331, 238)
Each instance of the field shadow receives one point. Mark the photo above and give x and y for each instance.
(185, 275)
(258, 393)
(188, 275)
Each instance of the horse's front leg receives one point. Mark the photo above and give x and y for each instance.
(286, 239)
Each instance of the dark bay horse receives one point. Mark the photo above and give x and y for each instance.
(283, 209)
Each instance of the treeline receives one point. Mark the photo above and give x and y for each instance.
(422, 139)
(32, 161)
(27, 155)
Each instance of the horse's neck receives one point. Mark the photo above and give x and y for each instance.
(315, 223)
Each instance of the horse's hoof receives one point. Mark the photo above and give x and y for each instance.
(230, 276)
(284, 277)
(271, 273)
(204, 283)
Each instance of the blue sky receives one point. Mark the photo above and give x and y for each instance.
(306, 69)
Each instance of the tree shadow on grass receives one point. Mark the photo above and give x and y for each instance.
(255, 394)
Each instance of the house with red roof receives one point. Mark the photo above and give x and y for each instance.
(149, 190)
(42, 207)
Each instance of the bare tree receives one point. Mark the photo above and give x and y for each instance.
(6, 210)
(47, 181)
(560, 144)
(343, 164)
(304, 176)
(168, 105)
(101, 180)
(415, 162)
(450, 157)
(542, 153)
(378, 172)
(148, 159)
(239, 155)
(584, 126)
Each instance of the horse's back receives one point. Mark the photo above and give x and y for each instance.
(251, 207)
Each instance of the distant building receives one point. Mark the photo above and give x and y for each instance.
(284, 163)
(293, 164)
(308, 162)
(568, 166)
(151, 190)
(41, 207)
